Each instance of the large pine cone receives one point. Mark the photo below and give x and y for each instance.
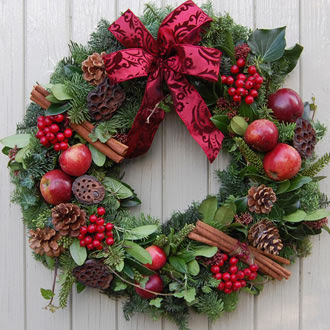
(261, 199)
(93, 273)
(45, 241)
(264, 235)
(304, 138)
(93, 69)
(68, 218)
(103, 102)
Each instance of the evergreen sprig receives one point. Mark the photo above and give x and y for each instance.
(286, 132)
(317, 166)
(210, 304)
(66, 288)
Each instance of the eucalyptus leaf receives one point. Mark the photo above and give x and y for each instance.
(297, 216)
(17, 140)
(193, 268)
(137, 252)
(204, 251)
(52, 99)
(298, 182)
(225, 214)
(97, 156)
(208, 208)
(56, 109)
(78, 253)
(317, 215)
(140, 232)
(60, 93)
(117, 188)
(178, 264)
(238, 125)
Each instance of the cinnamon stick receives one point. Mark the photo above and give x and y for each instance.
(41, 90)
(276, 258)
(117, 146)
(83, 132)
(39, 99)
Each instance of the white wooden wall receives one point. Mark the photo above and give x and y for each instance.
(33, 37)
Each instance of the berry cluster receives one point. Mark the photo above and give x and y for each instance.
(246, 85)
(233, 278)
(53, 131)
(97, 231)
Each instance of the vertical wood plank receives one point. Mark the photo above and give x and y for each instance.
(315, 30)
(47, 27)
(12, 274)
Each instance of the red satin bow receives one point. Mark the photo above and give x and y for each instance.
(168, 59)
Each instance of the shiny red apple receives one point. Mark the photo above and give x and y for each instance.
(76, 160)
(155, 284)
(55, 187)
(261, 135)
(158, 257)
(282, 163)
(286, 104)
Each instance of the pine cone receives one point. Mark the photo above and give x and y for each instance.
(244, 218)
(68, 218)
(93, 273)
(45, 241)
(304, 138)
(103, 102)
(264, 235)
(261, 199)
(316, 225)
(93, 69)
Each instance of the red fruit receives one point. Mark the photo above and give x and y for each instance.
(60, 137)
(227, 291)
(261, 135)
(237, 98)
(286, 104)
(59, 118)
(230, 80)
(240, 91)
(221, 263)
(234, 69)
(217, 276)
(109, 233)
(254, 268)
(96, 243)
(110, 241)
(40, 118)
(83, 230)
(100, 247)
(243, 283)
(221, 286)
(240, 62)
(233, 269)
(93, 218)
(233, 261)
(241, 76)
(43, 141)
(100, 229)
(155, 284)
(247, 272)
(100, 210)
(90, 246)
(224, 257)
(252, 69)
(82, 243)
(233, 277)
(231, 91)
(249, 99)
(54, 128)
(109, 226)
(68, 132)
(228, 284)
(50, 136)
(88, 240)
(57, 147)
(249, 84)
(158, 257)
(41, 125)
(239, 83)
(76, 160)
(237, 285)
(99, 236)
(226, 277)
(100, 222)
(55, 187)
(64, 146)
(81, 236)
(254, 93)
(223, 79)
(91, 228)
(259, 80)
(240, 275)
(253, 276)
(46, 130)
(48, 121)
(257, 86)
(281, 163)
(215, 269)
(39, 134)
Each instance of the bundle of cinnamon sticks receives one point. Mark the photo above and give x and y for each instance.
(38, 96)
(207, 234)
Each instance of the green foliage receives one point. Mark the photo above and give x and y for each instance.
(304, 247)
(317, 166)
(78, 53)
(42, 218)
(320, 130)
(210, 304)
(30, 119)
(180, 236)
(310, 196)
(286, 132)
(113, 256)
(66, 287)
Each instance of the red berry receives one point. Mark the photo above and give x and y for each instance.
(90, 246)
(100, 236)
(100, 247)
(54, 128)
(233, 261)
(240, 275)
(230, 80)
(68, 132)
(100, 229)
(252, 69)
(227, 291)
(249, 84)
(237, 98)
(221, 286)
(243, 283)
(241, 76)
(234, 69)
(96, 243)
(228, 284)
(215, 269)
(82, 243)
(253, 93)
(60, 137)
(44, 141)
(247, 272)
(254, 268)
(259, 80)
(109, 226)
(237, 285)
(100, 210)
(40, 118)
(109, 233)
(93, 218)
(233, 277)
(226, 276)
(57, 147)
(224, 257)
(239, 83)
(223, 79)
(83, 230)
(249, 99)
(233, 269)
(50, 136)
(48, 121)
(253, 276)
(91, 228)
(88, 240)
(217, 276)
(63, 146)
(81, 236)
(59, 118)
(231, 91)
(110, 241)
(221, 263)
(240, 91)
(41, 125)
(240, 62)
(257, 86)
(100, 222)
(39, 134)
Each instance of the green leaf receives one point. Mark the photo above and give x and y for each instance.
(56, 109)
(174, 286)
(60, 93)
(283, 187)
(130, 202)
(18, 140)
(80, 287)
(78, 253)
(297, 216)
(97, 156)
(204, 251)
(298, 182)
(21, 154)
(225, 214)
(117, 188)
(317, 215)
(47, 294)
(5, 150)
(188, 294)
(128, 270)
(241, 204)
(140, 232)
(228, 47)
(208, 208)
(193, 268)
(50, 262)
(292, 56)
(178, 264)
(137, 252)
(248, 111)
(118, 285)
(120, 266)
(238, 125)
(326, 228)
(52, 99)
(268, 44)
(221, 122)
(156, 302)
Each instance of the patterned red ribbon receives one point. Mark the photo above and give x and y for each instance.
(169, 59)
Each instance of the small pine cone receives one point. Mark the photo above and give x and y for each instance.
(68, 218)
(244, 219)
(213, 260)
(304, 138)
(103, 102)
(45, 241)
(93, 273)
(261, 199)
(93, 69)
(316, 225)
(242, 51)
(264, 235)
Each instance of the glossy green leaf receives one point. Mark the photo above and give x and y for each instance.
(248, 111)
(78, 253)
(56, 109)
(208, 208)
(128, 270)
(291, 55)
(241, 204)
(225, 214)
(18, 140)
(298, 182)
(117, 188)
(47, 294)
(60, 93)
(317, 215)
(97, 156)
(221, 122)
(268, 44)
(130, 202)
(283, 187)
(138, 266)
(297, 216)
(228, 46)
(140, 232)
(204, 251)
(137, 252)
(193, 268)
(178, 264)
(238, 125)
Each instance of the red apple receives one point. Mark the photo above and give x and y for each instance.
(76, 160)
(282, 163)
(158, 257)
(55, 187)
(286, 104)
(261, 135)
(155, 284)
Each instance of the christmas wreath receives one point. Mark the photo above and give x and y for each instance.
(105, 102)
